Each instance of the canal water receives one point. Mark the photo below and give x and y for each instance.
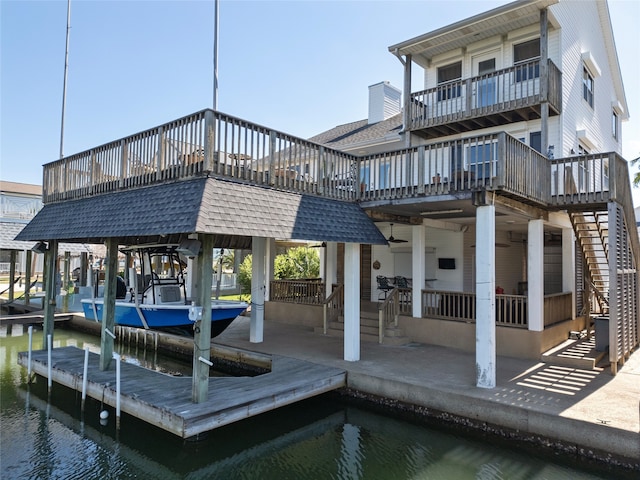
(45, 437)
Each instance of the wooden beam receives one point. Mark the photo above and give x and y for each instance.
(202, 327)
(50, 284)
(109, 311)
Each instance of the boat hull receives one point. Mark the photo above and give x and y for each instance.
(163, 316)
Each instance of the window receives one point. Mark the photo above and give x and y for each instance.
(523, 56)
(614, 125)
(487, 66)
(482, 160)
(446, 74)
(587, 86)
(535, 141)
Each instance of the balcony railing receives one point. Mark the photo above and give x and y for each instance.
(211, 143)
(497, 92)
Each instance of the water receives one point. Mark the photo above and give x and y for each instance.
(316, 439)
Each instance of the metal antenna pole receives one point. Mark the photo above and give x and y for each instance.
(64, 86)
(215, 54)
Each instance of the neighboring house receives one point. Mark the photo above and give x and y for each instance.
(19, 203)
(508, 244)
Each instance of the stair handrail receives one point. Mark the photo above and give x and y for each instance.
(389, 308)
(335, 301)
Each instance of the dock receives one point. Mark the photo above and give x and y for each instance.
(165, 401)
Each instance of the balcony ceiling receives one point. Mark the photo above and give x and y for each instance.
(499, 21)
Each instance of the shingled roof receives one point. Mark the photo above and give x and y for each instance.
(360, 132)
(9, 231)
(233, 212)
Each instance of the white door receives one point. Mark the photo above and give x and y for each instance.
(486, 84)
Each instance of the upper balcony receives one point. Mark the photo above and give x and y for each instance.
(509, 95)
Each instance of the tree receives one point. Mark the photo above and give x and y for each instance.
(636, 176)
(297, 262)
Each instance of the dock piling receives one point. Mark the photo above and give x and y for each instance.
(117, 358)
(84, 376)
(29, 357)
(49, 372)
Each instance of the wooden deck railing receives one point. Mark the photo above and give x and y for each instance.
(557, 308)
(216, 144)
(493, 93)
(308, 292)
(388, 312)
(511, 310)
(333, 306)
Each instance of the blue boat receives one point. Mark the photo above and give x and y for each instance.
(158, 300)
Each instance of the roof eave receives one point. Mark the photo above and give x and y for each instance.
(409, 46)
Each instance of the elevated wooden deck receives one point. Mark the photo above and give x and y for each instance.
(165, 401)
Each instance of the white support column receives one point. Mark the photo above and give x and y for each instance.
(352, 302)
(258, 250)
(569, 266)
(331, 257)
(270, 256)
(535, 275)
(486, 296)
(418, 268)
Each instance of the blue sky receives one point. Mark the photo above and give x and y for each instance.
(301, 67)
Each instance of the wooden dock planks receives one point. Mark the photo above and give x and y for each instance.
(165, 401)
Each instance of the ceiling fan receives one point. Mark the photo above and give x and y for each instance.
(391, 239)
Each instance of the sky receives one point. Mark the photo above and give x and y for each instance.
(301, 67)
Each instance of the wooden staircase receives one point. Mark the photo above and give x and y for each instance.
(368, 330)
(592, 233)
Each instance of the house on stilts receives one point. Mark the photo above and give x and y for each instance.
(490, 211)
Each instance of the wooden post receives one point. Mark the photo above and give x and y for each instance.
(202, 330)
(84, 262)
(27, 277)
(108, 314)
(407, 99)
(51, 277)
(12, 274)
(65, 282)
(544, 83)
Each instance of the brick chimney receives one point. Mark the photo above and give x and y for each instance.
(384, 101)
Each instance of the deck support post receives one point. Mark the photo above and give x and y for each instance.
(535, 276)
(256, 328)
(202, 328)
(352, 302)
(485, 296)
(12, 274)
(109, 313)
(66, 275)
(27, 277)
(569, 266)
(50, 285)
(417, 269)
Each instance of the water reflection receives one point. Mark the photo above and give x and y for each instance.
(45, 437)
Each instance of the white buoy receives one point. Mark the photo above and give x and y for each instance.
(104, 414)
